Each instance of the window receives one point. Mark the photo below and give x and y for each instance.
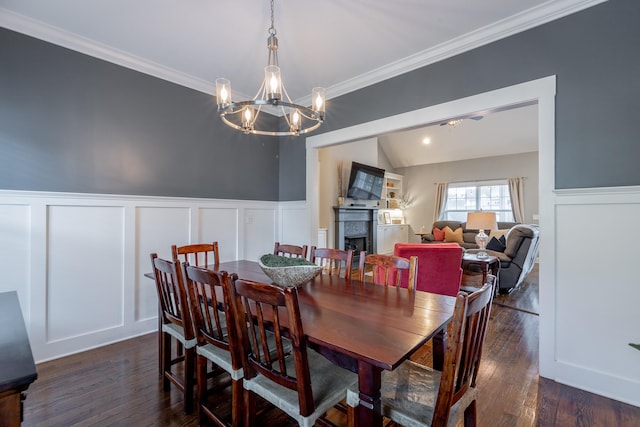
(462, 198)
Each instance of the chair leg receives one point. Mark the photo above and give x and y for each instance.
(352, 414)
(250, 408)
(470, 415)
(201, 388)
(237, 402)
(189, 371)
(165, 359)
(160, 347)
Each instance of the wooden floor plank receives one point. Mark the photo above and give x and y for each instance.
(119, 385)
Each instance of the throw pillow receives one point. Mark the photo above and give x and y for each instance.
(451, 236)
(496, 245)
(438, 235)
(497, 233)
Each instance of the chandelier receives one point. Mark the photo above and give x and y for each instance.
(243, 115)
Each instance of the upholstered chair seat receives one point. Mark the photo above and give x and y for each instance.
(328, 383)
(409, 395)
(177, 332)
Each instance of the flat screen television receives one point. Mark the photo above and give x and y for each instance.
(365, 182)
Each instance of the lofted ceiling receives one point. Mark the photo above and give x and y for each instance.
(484, 134)
(337, 44)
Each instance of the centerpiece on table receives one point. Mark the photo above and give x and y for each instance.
(288, 272)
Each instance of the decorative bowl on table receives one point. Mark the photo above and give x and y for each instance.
(288, 272)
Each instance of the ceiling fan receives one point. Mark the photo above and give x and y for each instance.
(455, 122)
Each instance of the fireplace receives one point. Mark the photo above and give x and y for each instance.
(356, 228)
(356, 244)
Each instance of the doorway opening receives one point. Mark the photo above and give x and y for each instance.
(541, 91)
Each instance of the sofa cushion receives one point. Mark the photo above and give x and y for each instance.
(496, 245)
(438, 234)
(504, 260)
(453, 236)
(470, 237)
(515, 238)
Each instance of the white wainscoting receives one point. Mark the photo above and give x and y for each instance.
(597, 283)
(77, 261)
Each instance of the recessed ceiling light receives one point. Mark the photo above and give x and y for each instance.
(426, 141)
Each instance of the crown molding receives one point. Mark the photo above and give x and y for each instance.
(523, 21)
(547, 12)
(57, 36)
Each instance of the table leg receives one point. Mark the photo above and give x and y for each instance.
(439, 343)
(369, 382)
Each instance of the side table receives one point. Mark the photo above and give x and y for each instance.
(488, 265)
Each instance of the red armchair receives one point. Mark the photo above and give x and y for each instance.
(439, 266)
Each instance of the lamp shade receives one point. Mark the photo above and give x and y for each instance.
(481, 221)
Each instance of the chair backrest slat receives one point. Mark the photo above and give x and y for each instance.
(333, 260)
(199, 254)
(387, 269)
(292, 251)
(172, 296)
(210, 307)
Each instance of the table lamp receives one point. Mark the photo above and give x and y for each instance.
(481, 221)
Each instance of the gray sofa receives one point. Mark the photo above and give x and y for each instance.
(519, 256)
(468, 235)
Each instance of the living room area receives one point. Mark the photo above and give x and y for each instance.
(470, 156)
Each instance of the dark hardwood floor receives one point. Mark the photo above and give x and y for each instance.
(118, 385)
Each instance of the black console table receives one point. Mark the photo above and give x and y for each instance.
(17, 369)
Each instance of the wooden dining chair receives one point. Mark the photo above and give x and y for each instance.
(416, 395)
(199, 254)
(290, 250)
(210, 308)
(387, 269)
(302, 383)
(174, 326)
(333, 261)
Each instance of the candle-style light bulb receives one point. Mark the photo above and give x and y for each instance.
(317, 99)
(273, 83)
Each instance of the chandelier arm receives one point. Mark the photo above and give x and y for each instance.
(286, 94)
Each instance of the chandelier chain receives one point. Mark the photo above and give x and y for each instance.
(272, 28)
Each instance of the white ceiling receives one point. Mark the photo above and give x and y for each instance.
(337, 44)
(501, 133)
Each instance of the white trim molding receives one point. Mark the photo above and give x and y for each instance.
(77, 261)
(528, 19)
(595, 277)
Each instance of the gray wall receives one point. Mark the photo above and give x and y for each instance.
(69, 122)
(594, 54)
(419, 182)
(73, 123)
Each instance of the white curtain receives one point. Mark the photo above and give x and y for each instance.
(516, 191)
(441, 195)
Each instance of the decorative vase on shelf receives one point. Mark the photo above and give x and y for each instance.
(340, 201)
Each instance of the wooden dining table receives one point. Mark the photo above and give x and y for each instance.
(363, 327)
